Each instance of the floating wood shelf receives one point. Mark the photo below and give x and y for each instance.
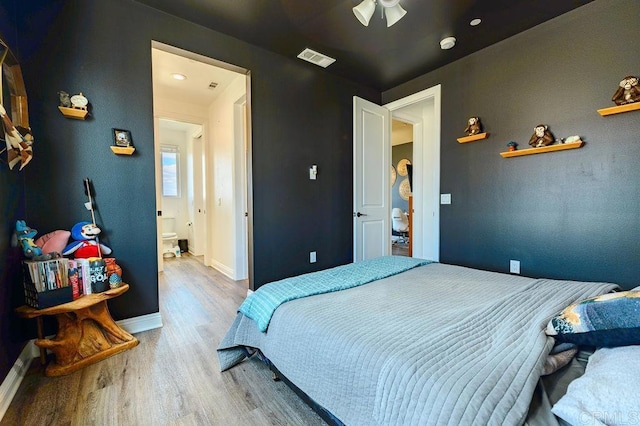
(549, 148)
(473, 138)
(123, 150)
(75, 113)
(619, 109)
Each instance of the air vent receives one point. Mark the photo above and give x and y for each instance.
(213, 85)
(316, 58)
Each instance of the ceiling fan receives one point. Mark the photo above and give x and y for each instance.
(391, 9)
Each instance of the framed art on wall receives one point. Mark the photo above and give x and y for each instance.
(122, 138)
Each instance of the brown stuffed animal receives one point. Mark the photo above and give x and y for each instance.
(473, 126)
(541, 136)
(628, 91)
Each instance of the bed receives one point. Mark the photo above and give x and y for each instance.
(420, 343)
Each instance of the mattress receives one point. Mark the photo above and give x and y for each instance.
(435, 345)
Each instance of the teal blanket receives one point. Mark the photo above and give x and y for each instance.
(261, 305)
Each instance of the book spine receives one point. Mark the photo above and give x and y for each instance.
(86, 278)
(73, 279)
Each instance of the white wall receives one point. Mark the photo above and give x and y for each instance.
(221, 206)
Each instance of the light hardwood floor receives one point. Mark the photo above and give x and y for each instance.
(172, 377)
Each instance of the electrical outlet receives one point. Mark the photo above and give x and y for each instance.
(312, 257)
(445, 198)
(514, 266)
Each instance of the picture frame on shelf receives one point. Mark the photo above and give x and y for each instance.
(122, 138)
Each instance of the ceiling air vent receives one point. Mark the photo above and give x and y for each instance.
(213, 85)
(316, 58)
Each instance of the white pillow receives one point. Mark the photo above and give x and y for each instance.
(607, 393)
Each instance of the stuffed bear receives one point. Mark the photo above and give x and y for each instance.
(85, 244)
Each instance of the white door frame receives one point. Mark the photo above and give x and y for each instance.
(426, 170)
(243, 162)
(240, 188)
(184, 118)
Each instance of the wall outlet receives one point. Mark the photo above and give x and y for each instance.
(312, 257)
(514, 266)
(445, 198)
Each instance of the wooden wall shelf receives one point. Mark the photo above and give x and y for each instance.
(123, 150)
(75, 113)
(473, 138)
(542, 149)
(619, 109)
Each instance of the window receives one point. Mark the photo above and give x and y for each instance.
(170, 158)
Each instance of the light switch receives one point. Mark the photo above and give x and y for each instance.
(313, 172)
(445, 198)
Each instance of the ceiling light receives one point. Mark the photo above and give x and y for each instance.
(178, 76)
(447, 43)
(392, 11)
(475, 22)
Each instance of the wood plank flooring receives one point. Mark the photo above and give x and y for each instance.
(172, 377)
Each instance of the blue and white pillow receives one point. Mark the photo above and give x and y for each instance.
(608, 320)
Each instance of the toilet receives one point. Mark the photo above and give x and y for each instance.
(169, 238)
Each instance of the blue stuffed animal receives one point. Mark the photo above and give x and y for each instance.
(25, 235)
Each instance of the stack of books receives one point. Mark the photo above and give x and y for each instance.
(52, 282)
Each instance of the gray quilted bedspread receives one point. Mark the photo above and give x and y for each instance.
(436, 345)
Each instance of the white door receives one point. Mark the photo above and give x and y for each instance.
(371, 180)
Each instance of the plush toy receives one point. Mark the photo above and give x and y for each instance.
(53, 242)
(25, 235)
(85, 245)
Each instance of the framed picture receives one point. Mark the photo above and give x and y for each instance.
(122, 137)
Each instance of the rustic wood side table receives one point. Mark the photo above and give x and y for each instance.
(86, 332)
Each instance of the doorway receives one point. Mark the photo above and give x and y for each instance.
(183, 222)
(422, 110)
(195, 90)
(401, 179)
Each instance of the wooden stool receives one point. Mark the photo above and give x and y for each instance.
(86, 332)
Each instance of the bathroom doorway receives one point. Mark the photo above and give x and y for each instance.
(183, 219)
(191, 89)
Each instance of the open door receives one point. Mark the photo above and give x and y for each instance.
(371, 180)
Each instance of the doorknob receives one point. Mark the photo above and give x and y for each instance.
(359, 214)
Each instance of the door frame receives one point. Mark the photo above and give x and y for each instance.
(426, 156)
(245, 163)
(183, 118)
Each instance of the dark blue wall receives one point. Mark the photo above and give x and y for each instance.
(571, 214)
(12, 207)
(301, 116)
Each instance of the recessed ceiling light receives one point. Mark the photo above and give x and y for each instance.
(447, 43)
(178, 76)
(475, 22)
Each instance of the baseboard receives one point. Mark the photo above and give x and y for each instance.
(11, 383)
(141, 323)
(224, 269)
